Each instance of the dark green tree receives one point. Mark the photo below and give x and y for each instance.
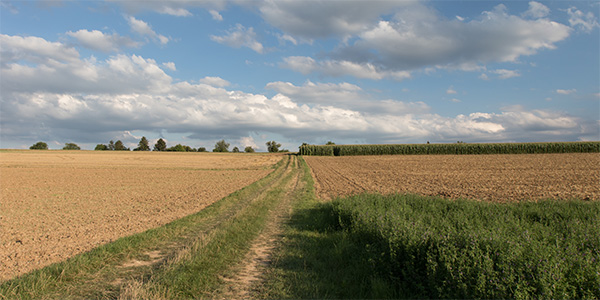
(111, 145)
(101, 147)
(160, 145)
(71, 146)
(202, 149)
(330, 143)
(273, 146)
(235, 150)
(249, 149)
(221, 146)
(143, 145)
(120, 147)
(39, 146)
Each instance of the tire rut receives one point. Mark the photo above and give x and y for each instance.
(249, 274)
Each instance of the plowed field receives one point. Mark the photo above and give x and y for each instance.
(56, 204)
(499, 178)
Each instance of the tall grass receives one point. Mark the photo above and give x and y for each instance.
(438, 248)
(459, 148)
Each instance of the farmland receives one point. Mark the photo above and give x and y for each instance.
(56, 204)
(499, 178)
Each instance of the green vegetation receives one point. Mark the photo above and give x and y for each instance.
(407, 246)
(71, 146)
(39, 146)
(181, 148)
(458, 148)
(221, 146)
(249, 149)
(235, 150)
(143, 145)
(160, 145)
(101, 147)
(273, 146)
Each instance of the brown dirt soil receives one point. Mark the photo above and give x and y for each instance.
(498, 178)
(56, 204)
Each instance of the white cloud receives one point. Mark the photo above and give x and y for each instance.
(215, 81)
(585, 22)
(144, 29)
(178, 12)
(324, 18)
(450, 90)
(484, 76)
(248, 141)
(505, 74)
(417, 37)
(215, 15)
(566, 92)
(89, 100)
(240, 36)
(455, 100)
(537, 10)
(97, 40)
(170, 66)
(337, 68)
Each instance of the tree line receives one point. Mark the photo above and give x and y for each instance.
(161, 145)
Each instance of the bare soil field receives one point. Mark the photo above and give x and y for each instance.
(56, 204)
(500, 178)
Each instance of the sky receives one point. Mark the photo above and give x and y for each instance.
(351, 72)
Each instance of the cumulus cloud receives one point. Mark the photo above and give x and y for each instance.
(505, 74)
(215, 81)
(537, 10)
(338, 68)
(47, 91)
(215, 15)
(240, 36)
(144, 29)
(323, 18)
(566, 92)
(584, 21)
(450, 91)
(170, 66)
(417, 37)
(100, 41)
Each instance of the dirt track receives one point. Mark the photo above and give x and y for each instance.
(485, 177)
(56, 204)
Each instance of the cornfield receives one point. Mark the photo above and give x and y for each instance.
(458, 148)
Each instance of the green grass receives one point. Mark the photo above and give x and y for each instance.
(408, 246)
(89, 275)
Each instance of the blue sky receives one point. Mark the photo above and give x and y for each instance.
(195, 72)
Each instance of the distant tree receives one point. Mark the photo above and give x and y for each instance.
(202, 149)
(39, 146)
(273, 146)
(142, 145)
(111, 145)
(101, 147)
(71, 146)
(235, 150)
(221, 146)
(120, 147)
(330, 143)
(249, 149)
(160, 145)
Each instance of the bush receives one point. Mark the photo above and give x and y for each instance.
(221, 146)
(181, 148)
(236, 150)
(249, 149)
(273, 146)
(39, 146)
(71, 146)
(160, 145)
(101, 147)
(202, 149)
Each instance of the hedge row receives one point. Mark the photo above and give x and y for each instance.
(459, 148)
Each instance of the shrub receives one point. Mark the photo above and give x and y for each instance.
(249, 149)
(71, 146)
(221, 146)
(39, 146)
(101, 147)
